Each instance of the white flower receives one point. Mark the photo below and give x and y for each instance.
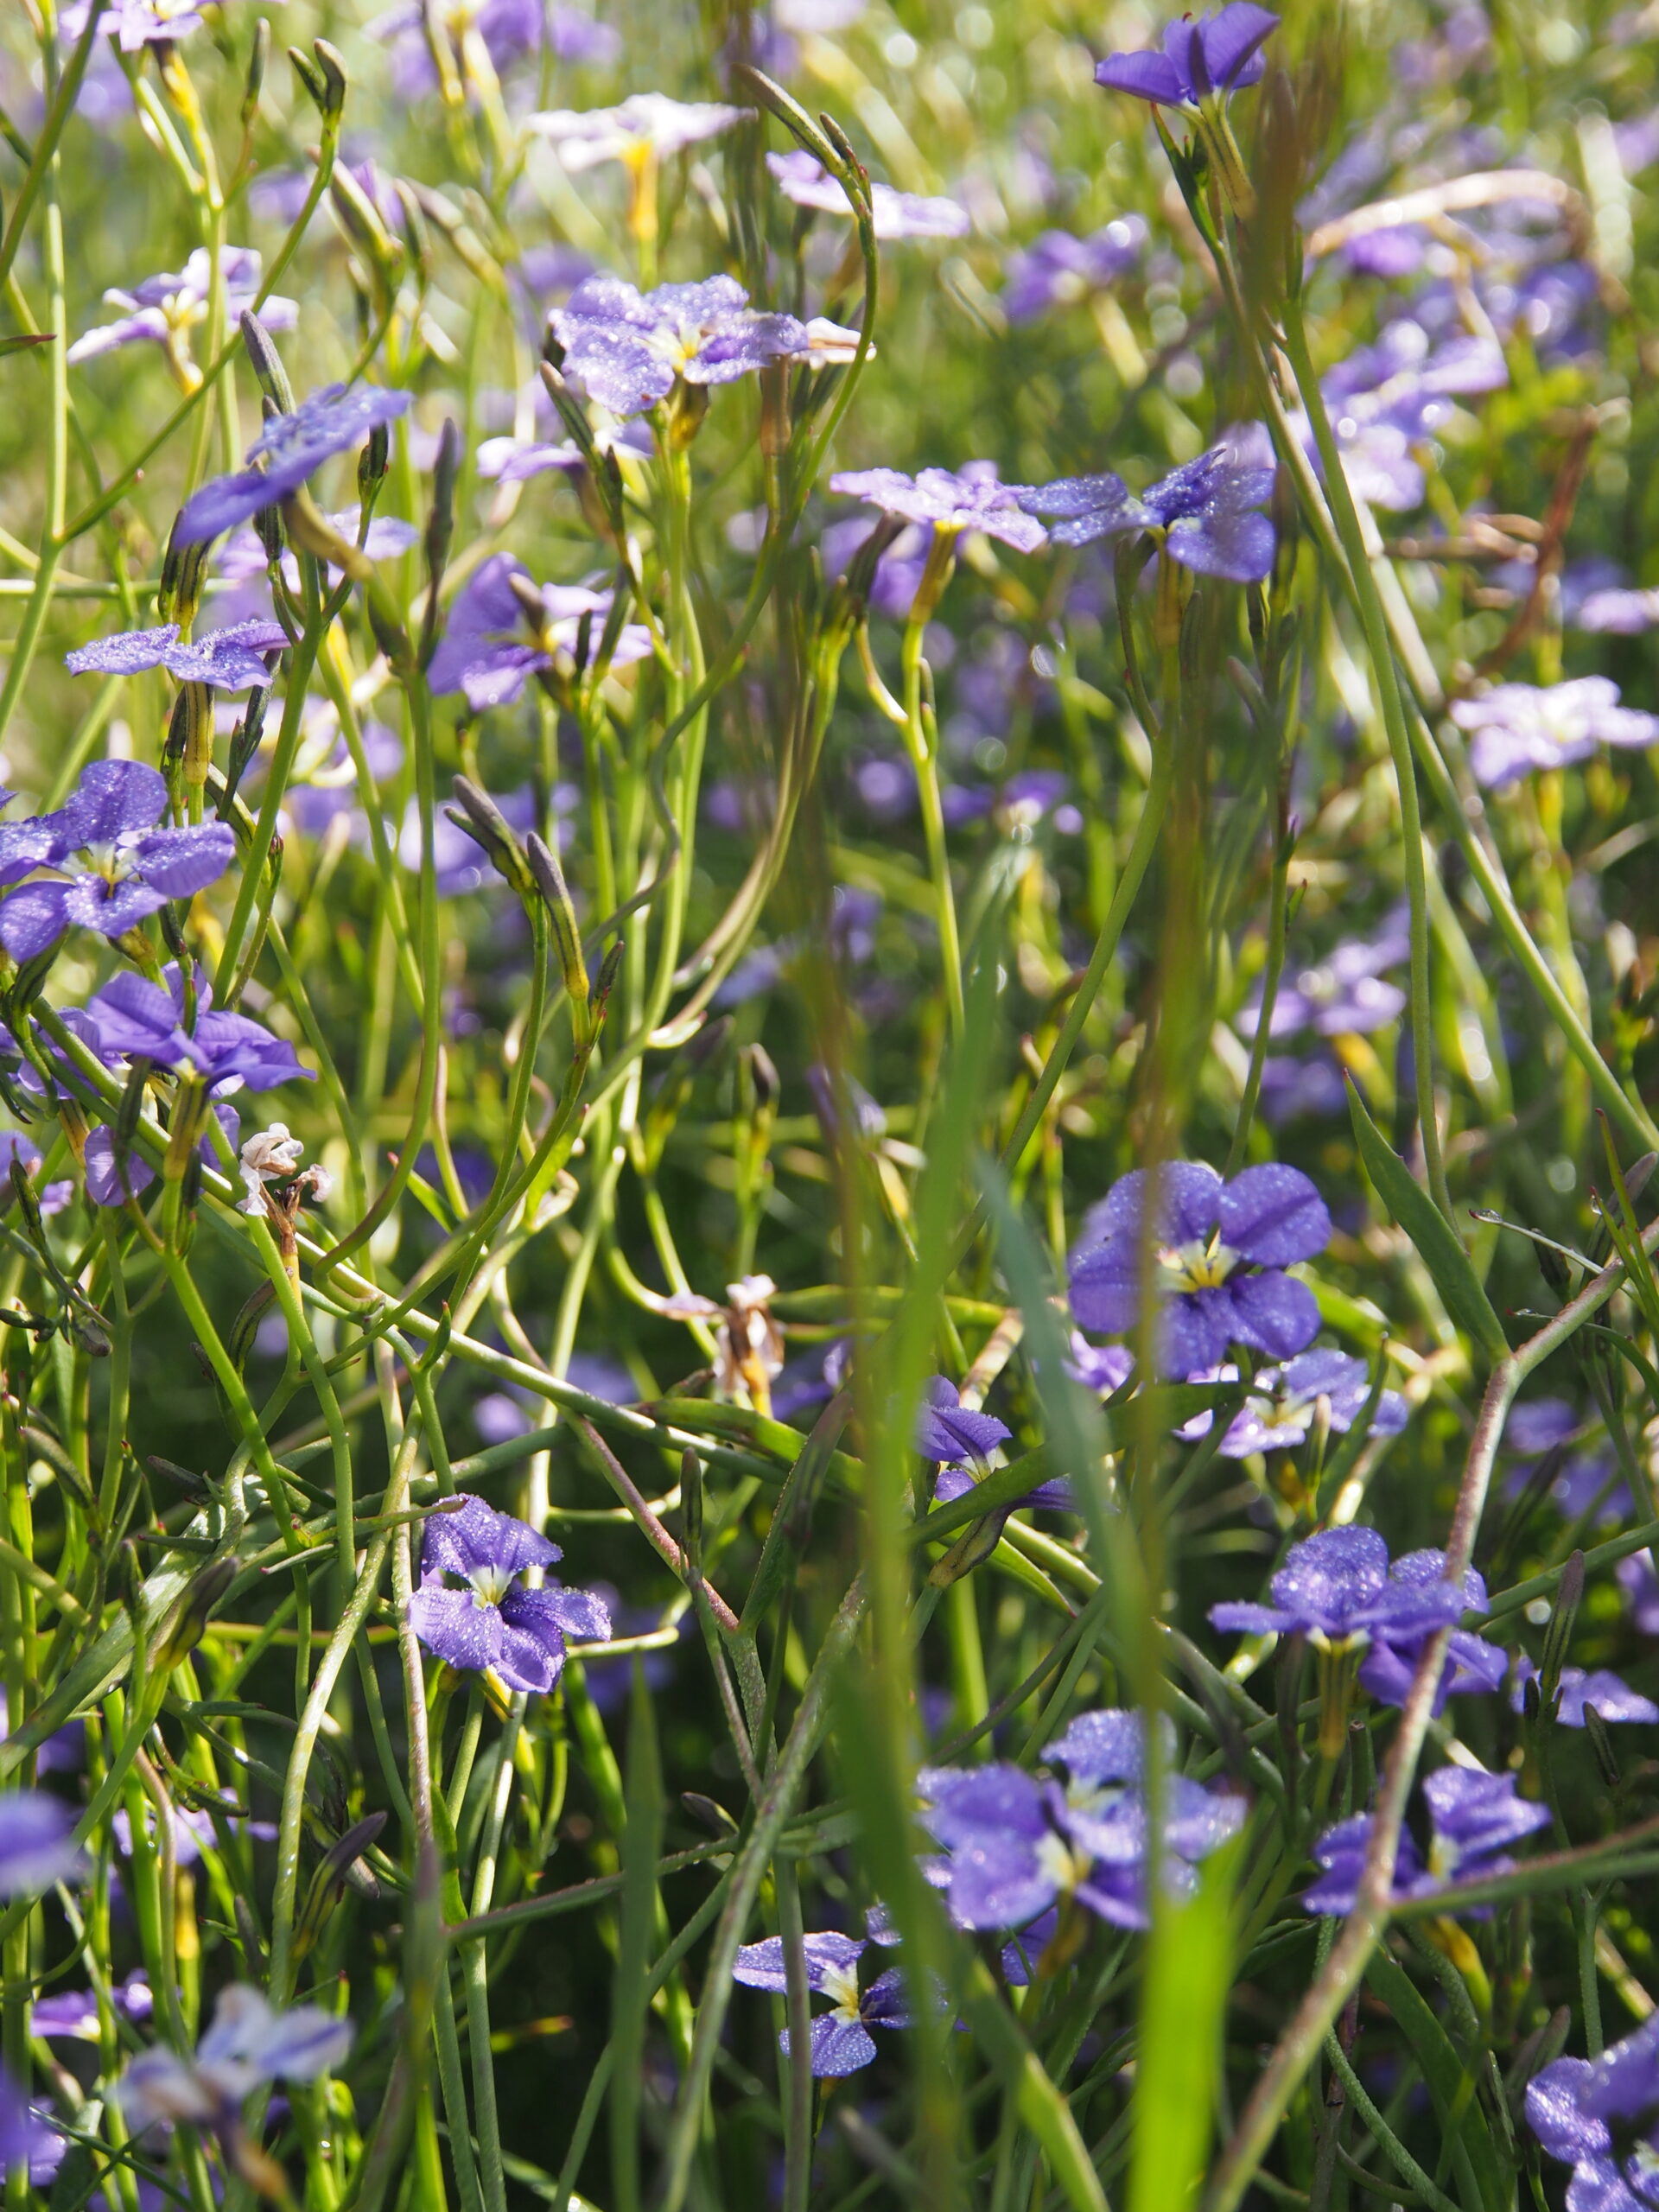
(272, 1156)
(645, 124)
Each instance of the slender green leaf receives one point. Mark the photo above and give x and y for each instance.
(1460, 1288)
(1183, 2006)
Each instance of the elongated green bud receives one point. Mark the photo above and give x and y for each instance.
(259, 62)
(196, 1608)
(477, 813)
(266, 363)
(567, 936)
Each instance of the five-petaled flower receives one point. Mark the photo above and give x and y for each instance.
(1515, 727)
(1215, 54)
(628, 348)
(248, 2045)
(895, 214)
(136, 1018)
(1202, 514)
(288, 450)
(1219, 1256)
(953, 500)
(495, 638)
(1016, 1844)
(1611, 1697)
(1283, 1403)
(1475, 1818)
(497, 1621)
(1346, 993)
(225, 660)
(1600, 2116)
(842, 2043)
(127, 867)
(1336, 1590)
(165, 309)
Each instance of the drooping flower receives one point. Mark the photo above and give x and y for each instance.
(1343, 994)
(627, 347)
(131, 868)
(269, 1164)
(226, 660)
(494, 640)
(1202, 514)
(1220, 1254)
(288, 450)
(1600, 2116)
(1612, 1696)
(1280, 1411)
(248, 2045)
(842, 2043)
(1476, 1818)
(1212, 56)
(1015, 1844)
(496, 1620)
(136, 1018)
(1515, 727)
(971, 499)
(37, 1846)
(164, 309)
(1057, 269)
(896, 214)
(645, 124)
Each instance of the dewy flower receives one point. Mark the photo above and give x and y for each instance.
(1472, 1666)
(627, 347)
(971, 499)
(1336, 1590)
(496, 1621)
(135, 1019)
(1220, 1254)
(1612, 1696)
(165, 309)
(249, 2044)
(225, 660)
(1280, 1411)
(896, 214)
(1600, 2116)
(1343, 994)
(487, 651)
(1057, 269)
(1202, 514)
(1517, 728)
(841, 2039)
(36, 1843)
(131, 869)
(288, 450)
(947, 1431)
(1016, 1844)
(1215, 54)
(1476, 1817)
(645, 124)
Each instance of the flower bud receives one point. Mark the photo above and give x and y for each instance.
(196, 1607)
(484, 822)
(182, 567)
(190, 733)
(567, 936)
(374, 462)
(332, 71)
(266, 363)
(254, 83)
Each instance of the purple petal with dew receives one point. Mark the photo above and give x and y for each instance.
(998, 1881)
(124, 655)
(454, 1624)
(498, 675)
(962, 1803)
(886, 2001)
(32, 919)
(477, 1536)
(1115, 1894)
(1021, 1956)
(532, 1646)
(617, 368)
(181, 862)
(946, 1429)
(111, 1182)
(113, 797)
(25, 846)
(1253, 1620)
(1188, 1203)
(1557, 2116)
(1329, 1576)
(1105, 1283)
(1107, 1746)
(1195, 1328)
(1239, 549)
(1274, 1313)
(91, 902)
(232, 659)
(578, 1612)
(222, 503)
(839, 2047)
(1274, 1215)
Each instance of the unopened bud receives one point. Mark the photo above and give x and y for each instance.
(244, 743)
(254, 83)
(373, 462)
(605, 983)
(266, 363)
(332, 71)
(439, 529)
(190, 733)
(477, 813)
(567, 936)
(182, 569)
(195, 1610)
(195, 1487)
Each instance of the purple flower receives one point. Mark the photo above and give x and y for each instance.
(1015, 1844)
(25, 2139)
(36, 1843)
(133, 868)
(1385, 400)
(15, 1146)
(1220, 1254)
(248, 2045)
(134, 23)
(509, 29)
(1217, 54)
(496, 1621)
(1515, 727)
(1613, 1698)
(1601, 2117)
(227, 661)
(1640, 1587)
(1292, 1090)
(1475, 1816)
(135, 1019)
(627, 347)
(646, 125)
(288, 450)
(1473, 1665)
(897, 214)
(486, 651)
(840, 2040)
(1201, 514)
(112, 1179)
(947, 1431)
(1345, 994)
(164, 309)
(971, 499)
(515, 460)
(1336, 1590)
(1279, 1412)
(73, 2013)
(1057, 269)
